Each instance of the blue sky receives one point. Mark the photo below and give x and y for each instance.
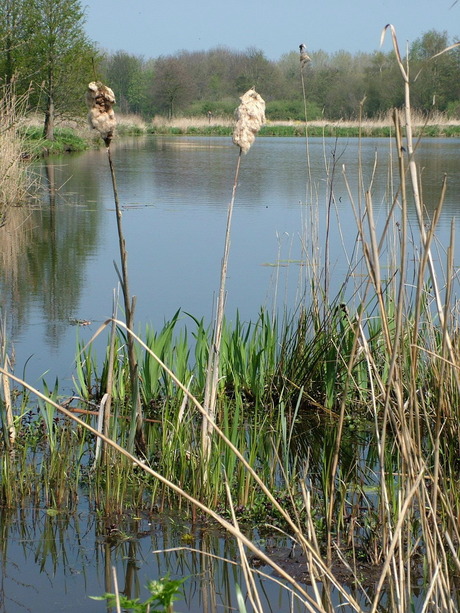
(152, 28)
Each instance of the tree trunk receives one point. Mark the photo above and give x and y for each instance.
(48, 131)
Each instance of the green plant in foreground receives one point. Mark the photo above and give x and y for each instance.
(163, 593)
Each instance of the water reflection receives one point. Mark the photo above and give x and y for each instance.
(54, 561)
(45, 269)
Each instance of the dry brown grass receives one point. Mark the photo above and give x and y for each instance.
(382, 121)
(194, 122)
(13, 176)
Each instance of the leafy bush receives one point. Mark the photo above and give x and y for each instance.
(163, 594)
(278, 110)
(218, 108)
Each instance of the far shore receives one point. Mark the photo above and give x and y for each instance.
(436, 126)
(71, 136)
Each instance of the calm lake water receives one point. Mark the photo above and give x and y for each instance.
(56, 261)
(56, 266)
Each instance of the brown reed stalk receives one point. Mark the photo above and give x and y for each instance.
(406, 413)
(253, 595)
(413, 173)
(111, 357)
(250, 118)
(7, 417)
(100, 100)
(136, 436)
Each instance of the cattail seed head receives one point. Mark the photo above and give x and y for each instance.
(304, 57)
(101, 117)
(250, 116)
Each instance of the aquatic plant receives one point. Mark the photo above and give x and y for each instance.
(6, 400)
(163, 592)
(100, 100)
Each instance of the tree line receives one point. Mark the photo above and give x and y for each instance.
(45, 52)
(336, 84)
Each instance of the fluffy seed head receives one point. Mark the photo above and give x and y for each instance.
(101, 117)
(304, 57)
(250, 116)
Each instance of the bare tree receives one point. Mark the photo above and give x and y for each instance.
(172, 86)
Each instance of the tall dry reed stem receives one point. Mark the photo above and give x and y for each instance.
(100, 100)
(250, 117)
(5, 398)
(413, 172)
(136, 432)
(212, 375)
(401, 405)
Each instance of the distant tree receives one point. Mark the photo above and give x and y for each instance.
(172, 87)
(383, 85)
(121, 70)
(436, 80)
(289, 70)
(59, 57)
(137, 95)
(13, 38)
(335, 84)
(221, 66)
(256, 71)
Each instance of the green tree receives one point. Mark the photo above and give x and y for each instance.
(59, 57)
(13, 38)
(122, 70)
(383, 85)
(436, 79)
(173, 87)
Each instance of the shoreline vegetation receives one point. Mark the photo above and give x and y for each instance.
(74, 136)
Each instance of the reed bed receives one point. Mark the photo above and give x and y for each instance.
(14, 181)
(336, 425)
(435, 125)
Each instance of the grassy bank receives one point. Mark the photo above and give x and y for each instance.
(437, 125)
